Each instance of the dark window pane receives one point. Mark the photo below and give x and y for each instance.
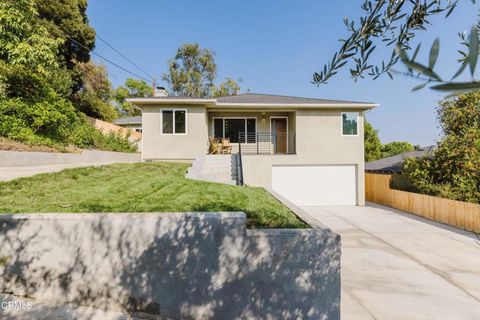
(251, 133)
(218, 128)
(233, 127)
(349, 124)
(180, 121)
(167, 118)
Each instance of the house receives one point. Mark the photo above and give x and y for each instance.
(133, 123)
(394, 163)
(308, 150)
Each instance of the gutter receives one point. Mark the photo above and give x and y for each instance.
(215, 104)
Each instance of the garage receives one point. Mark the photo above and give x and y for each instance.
(316, 185)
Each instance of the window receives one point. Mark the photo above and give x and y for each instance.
(174, 122)
(349, 123)
(231, 127)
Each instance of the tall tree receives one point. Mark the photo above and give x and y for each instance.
(396, 147)
(192, 73)
(67, 20)
(372, 143)
(23, 42)
(94, 97)
(229, 87)
(131, 89)
(453, 169)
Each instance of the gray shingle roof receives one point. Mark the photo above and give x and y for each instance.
(393, 164)
(270, 98)
(128, 120)
(256, 98)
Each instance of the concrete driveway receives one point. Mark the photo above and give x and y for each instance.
(400, 266)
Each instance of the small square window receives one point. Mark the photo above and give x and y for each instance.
(350, 123)
(174, 122)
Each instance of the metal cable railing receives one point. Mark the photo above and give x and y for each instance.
(266, 143)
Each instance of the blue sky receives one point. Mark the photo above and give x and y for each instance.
(274, 46)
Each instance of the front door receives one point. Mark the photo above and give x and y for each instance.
(279, 135)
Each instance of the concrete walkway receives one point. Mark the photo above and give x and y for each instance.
(10, 173)
(399, 266)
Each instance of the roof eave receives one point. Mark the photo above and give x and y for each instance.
(363, 106)
(139, 102)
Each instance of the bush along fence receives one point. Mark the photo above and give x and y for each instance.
(459, 214)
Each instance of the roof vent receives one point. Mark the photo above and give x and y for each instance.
(160, 92)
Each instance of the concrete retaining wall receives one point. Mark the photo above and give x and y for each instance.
(20, 158)
(177, 265)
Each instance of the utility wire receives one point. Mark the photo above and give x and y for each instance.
(111, 62)
(123, 56)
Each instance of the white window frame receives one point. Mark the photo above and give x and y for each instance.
(223, 126)
(173, 133)
(358, 124)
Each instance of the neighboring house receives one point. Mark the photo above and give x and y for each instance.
(394, 164)
(134, 123)
(308, 150)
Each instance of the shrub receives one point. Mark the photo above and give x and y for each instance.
(52, 122)
(453, 171)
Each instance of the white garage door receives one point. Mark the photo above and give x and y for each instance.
(316, 185)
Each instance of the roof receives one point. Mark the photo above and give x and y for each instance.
(129, 120)
(270, 98)
(393, 164)
(247, 100)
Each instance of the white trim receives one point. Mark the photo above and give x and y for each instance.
(173, 133)
(303, 105)
(223, 125)
(341, 124)
(214, 103)
(279, 117)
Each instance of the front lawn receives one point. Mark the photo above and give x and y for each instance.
(140, 187)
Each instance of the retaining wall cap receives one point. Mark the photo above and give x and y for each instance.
(125, 215)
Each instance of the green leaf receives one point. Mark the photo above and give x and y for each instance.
(457, 86)
(420, 86)
(434, 53)
(422, 69)
(459, 72)
(473, 57)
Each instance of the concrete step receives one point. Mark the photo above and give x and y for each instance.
(214, 168)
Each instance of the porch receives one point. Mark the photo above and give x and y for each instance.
(254, 132)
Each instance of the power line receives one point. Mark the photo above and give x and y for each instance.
(123, 56)
(111, 62)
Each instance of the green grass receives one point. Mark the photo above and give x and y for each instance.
(140, 187)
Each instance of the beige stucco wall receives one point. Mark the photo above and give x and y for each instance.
(158, 146)
(319, 141)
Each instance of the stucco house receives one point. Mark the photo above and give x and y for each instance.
(308, 150)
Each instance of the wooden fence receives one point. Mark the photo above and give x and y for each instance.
(459, 214)
(107, 127)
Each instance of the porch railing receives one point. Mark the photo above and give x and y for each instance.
(266, 143)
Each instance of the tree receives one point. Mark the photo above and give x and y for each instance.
(396, 147)
(23, 42)
(192, 73)
(453, 169)
(395, 24)
(94, 97)
(372, 143)
(67, 20)
(131, 89)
